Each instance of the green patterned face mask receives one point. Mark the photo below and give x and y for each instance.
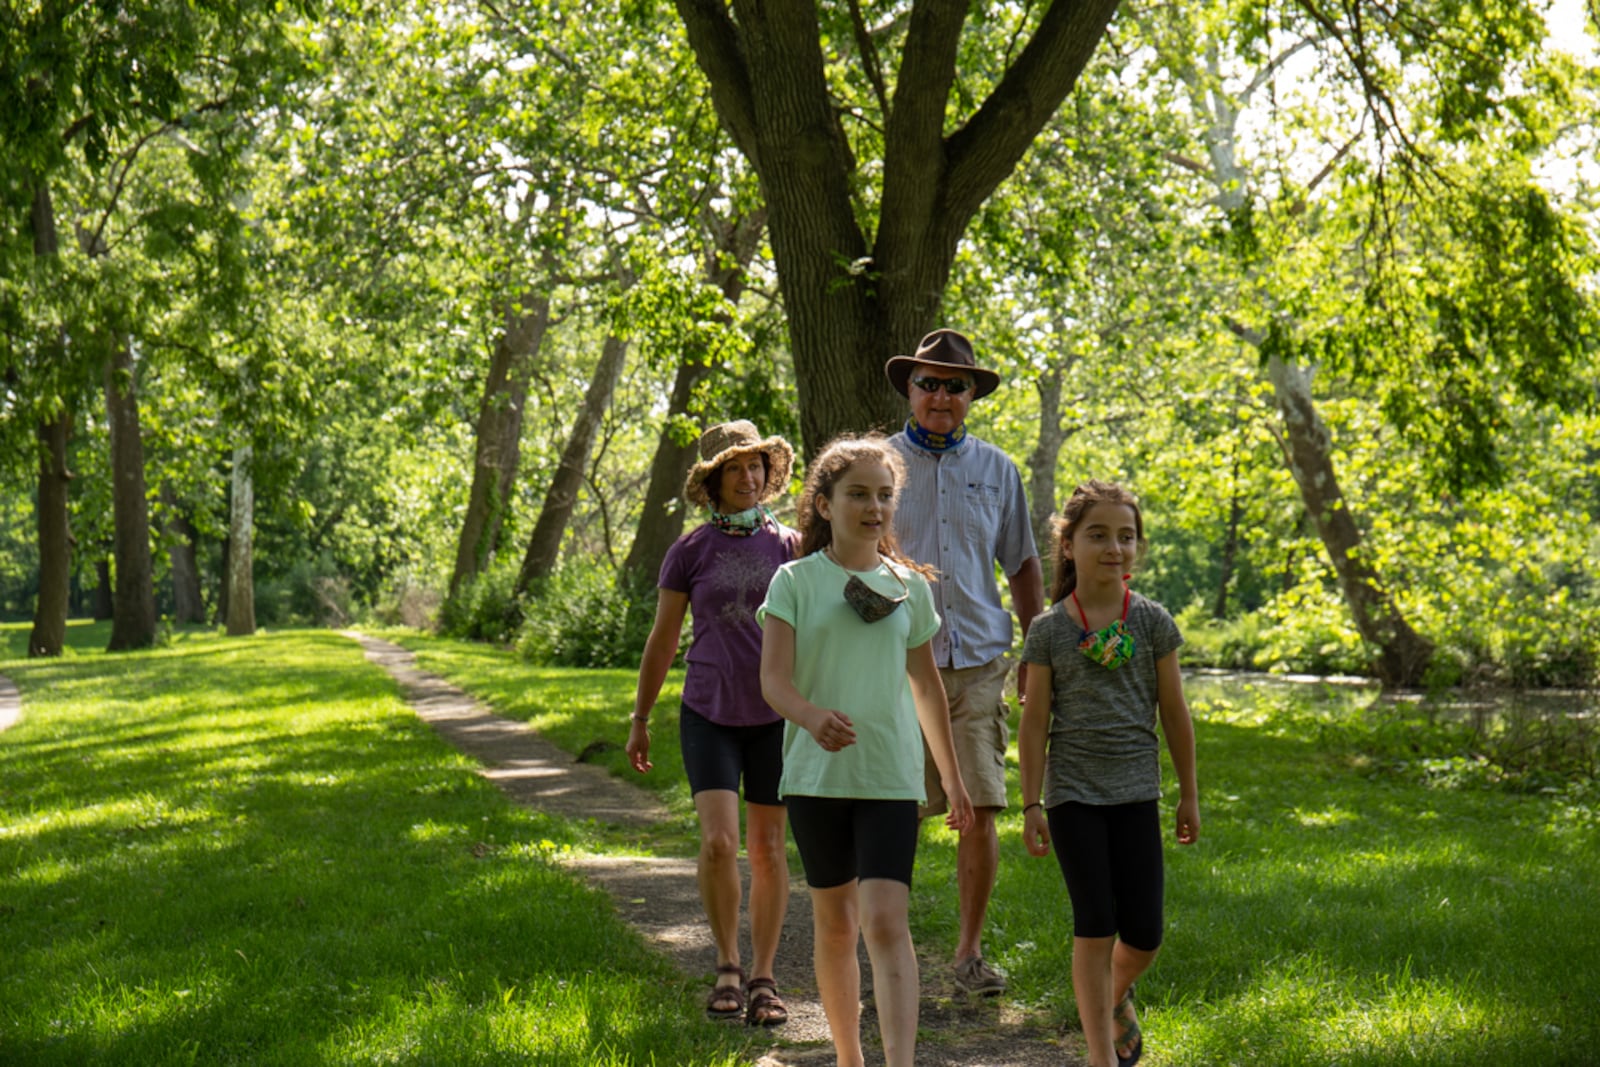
(1111, 646)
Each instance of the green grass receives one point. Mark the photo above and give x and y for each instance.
(1345, 905)
(249, 851)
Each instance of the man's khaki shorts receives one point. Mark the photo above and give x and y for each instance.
(978, 714)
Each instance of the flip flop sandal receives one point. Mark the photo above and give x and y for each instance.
(727, 1001)
(1123, 1016)
(766, 1007)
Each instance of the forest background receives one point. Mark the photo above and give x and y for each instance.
(315, 311)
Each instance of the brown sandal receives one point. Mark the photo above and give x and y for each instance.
(766, 1007)
(726, 1001)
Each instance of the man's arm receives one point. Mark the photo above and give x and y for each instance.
(1027, 600)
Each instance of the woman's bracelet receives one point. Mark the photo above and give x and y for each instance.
(1035, 804)
(636, 717)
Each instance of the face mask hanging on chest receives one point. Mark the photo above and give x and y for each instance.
(870, 604)
(1110, 646)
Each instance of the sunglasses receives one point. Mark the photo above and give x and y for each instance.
(953, 386)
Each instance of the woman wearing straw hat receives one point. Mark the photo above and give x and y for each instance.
(719, 571)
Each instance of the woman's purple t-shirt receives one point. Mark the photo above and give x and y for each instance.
(726, 580)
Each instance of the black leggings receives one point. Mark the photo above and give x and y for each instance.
(1110, 856)
(715, 756)
(842, 839)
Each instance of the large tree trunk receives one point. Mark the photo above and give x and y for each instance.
(241, 609)
(499, 445)
(545, 545)
(851, 307)
(1403, 654)
(133, 600)
(187, 603)
(49, 634)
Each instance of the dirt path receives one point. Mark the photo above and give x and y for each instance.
(10, 703)
(660, 896)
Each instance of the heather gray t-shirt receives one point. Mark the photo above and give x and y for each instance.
(1103, 747)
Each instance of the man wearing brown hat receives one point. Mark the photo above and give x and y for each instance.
(962, 510)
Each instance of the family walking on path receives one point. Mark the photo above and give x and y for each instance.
(854, 683)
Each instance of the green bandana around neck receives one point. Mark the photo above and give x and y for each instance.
(740, 523)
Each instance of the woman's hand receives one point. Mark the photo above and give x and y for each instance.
(831, 729)
(1036, 831)
(639, 746)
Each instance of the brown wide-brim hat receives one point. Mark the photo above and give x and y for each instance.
(726, 440)
(942, 348)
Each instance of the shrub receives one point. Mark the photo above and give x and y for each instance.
(582, 616)
(409, 601)
(485, 608)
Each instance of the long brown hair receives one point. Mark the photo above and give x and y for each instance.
(1083, 498)
(823, 474)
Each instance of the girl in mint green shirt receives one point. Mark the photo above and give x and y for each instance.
(846, 660)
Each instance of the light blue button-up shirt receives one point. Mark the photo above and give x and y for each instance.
(962, 511)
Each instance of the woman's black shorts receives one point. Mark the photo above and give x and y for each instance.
(715, 757)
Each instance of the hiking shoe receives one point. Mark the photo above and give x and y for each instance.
(974, 977)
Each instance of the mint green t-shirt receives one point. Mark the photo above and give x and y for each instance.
(857, 668)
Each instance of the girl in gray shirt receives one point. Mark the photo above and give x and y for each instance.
(1103, 669)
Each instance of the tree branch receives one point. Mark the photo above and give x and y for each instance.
(985, 151)
(715, 41)
(869, 56)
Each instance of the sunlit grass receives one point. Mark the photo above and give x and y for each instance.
(250, 851)
(1342, 907)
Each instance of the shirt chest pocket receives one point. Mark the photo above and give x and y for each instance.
(980, 512)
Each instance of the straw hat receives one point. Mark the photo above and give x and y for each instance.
(726, 440)
(942, 348)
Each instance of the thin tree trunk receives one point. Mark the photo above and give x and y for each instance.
(222, 586)
(1230, 552)
(1042, 463)
(241, 611)
(733, 244)
(661, 521)
(1230, 538)
(49, 635)
(499, 435)
(1403, 654)
(133, 600)
(545, 545)
(187, 604)
(104, 608)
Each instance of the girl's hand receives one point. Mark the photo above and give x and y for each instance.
(639, 746)
(959, 817)
(1036, 832)
(831, 729)
(1188, 822)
